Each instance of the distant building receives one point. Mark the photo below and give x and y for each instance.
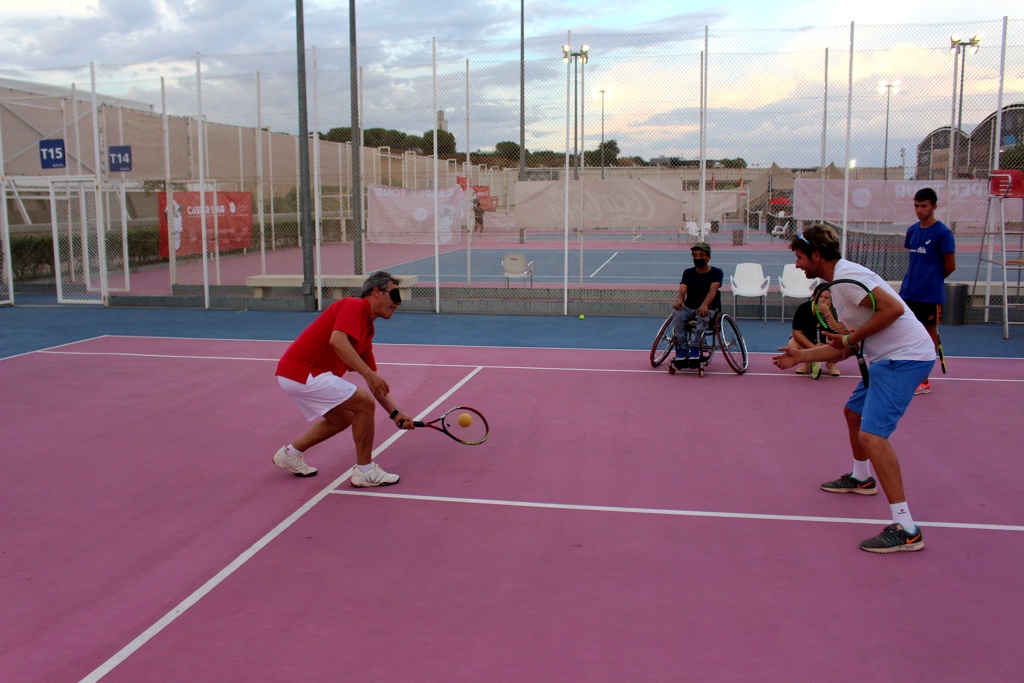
(442, 123)
(973, 151)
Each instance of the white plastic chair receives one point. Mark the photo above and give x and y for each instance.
(795, 285)
(515, 266)
(780, 230)
(750, 281)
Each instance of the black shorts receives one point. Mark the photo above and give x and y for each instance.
(930, 315)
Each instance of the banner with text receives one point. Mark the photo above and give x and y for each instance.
(888, 201)
(401, 216)
(616, 203)
(228, 222)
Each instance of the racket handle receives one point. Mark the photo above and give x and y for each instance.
(417, 423)
(863, 372)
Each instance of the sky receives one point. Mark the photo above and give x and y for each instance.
(776, 100)
(57, 33)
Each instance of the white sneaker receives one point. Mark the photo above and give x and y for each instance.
(293, 463)
(375, 477)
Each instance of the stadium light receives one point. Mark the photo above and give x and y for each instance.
(959, 47)
(577, 57)
(604, 92)
(887, 88)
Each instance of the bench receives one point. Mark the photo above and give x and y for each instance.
(334, 286)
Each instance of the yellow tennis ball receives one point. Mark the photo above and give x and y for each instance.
(582, 317)
(465, 420)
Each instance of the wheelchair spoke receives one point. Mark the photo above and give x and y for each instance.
(730, 340)
(663, 343)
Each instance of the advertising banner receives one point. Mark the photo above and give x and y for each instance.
(228, 223)
(400, 216)
(888, 201)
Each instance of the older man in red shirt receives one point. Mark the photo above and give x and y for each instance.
(311, 373)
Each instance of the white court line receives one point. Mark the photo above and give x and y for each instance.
(51, 348)
(673, 513)
(153, 355)
(446, 346)
(604, 264)
(640, 370)
(144, 637)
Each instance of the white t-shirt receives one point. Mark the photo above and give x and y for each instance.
(906, 338)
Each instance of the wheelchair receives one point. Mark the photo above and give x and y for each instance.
(722, 332)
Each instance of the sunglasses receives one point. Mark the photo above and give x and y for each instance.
(396, 296)
(800, 236)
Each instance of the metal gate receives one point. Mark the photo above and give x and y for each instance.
(90, 239)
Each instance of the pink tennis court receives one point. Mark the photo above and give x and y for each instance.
(620, 524)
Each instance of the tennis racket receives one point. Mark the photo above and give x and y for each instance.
(468, 426)
(938, 338)
(844, 305)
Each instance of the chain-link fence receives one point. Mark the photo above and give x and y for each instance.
(636, 145)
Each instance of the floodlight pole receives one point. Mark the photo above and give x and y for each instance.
(304, 192)
(357, 146)
(602, 133)
(576, 57)
(958, 46)
(522, 90)
(887, 86)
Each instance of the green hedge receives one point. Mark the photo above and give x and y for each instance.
(32, 255)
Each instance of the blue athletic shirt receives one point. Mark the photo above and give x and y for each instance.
(927, 246)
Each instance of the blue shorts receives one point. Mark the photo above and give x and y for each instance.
(892, 387)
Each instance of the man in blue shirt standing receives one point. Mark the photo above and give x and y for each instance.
(932, 258)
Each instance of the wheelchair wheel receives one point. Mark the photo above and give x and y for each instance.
(663, 343)
(730, 340)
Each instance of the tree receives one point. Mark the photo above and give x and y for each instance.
(507, 150)
(611, 154)
(738, 162)
(1013, 157)
(445, 142)
(338, 135)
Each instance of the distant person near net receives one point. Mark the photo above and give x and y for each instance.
(901, 356)
(311, 370)
(699, 299)
(932, 249)
(478, 215)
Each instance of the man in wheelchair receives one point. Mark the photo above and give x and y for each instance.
(697, 303)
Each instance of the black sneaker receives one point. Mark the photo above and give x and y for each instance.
(847, 484)
(893, 539)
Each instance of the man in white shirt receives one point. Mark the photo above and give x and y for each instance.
(901, 353)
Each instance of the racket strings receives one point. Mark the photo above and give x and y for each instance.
(843, 307)
(829, 315)
(473, 432)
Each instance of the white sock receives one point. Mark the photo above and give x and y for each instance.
(292, 450)
(861, 470)
(901, 515)
(365, 468)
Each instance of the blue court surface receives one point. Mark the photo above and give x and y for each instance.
(609, 266)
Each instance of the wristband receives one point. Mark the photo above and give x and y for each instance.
(846, 341)
(394, 413)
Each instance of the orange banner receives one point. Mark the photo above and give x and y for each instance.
(228, 223)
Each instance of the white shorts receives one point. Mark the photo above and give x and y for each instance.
(319, 395)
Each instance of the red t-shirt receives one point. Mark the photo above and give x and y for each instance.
(312, 354)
